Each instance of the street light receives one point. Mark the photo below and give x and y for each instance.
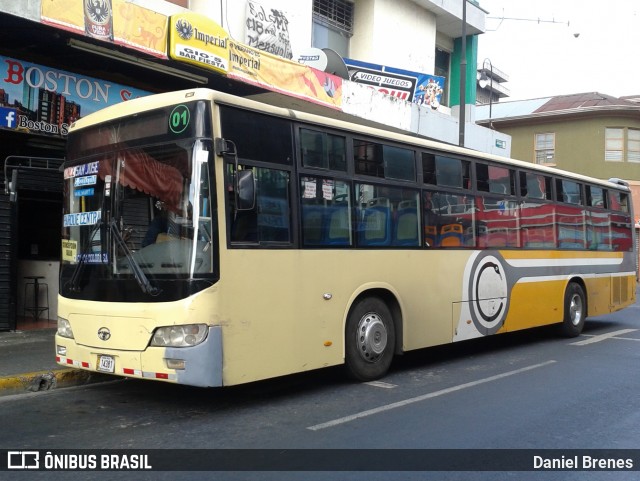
(484, 81)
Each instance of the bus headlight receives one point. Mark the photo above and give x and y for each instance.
(64, 328)
(179, 336)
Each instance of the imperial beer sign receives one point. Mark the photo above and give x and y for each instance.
(197, 40)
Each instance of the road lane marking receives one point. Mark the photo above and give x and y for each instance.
(381, 384)
(424, 397)
(602, 337)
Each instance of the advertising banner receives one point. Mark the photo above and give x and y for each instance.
(269, 71)
(200, 41)
(117, 21)
(44, 100)
(419, 88)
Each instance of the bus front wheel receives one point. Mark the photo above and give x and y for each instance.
(370, 339)
(575, 310)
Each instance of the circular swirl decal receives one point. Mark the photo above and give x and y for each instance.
(488, 292)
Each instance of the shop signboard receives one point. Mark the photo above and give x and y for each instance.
(200, 41)
(119, 21)
(44, 100)
(275, 73)
(419, 88)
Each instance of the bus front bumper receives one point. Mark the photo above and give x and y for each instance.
(199, 365)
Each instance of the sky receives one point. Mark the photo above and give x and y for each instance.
(593, 46)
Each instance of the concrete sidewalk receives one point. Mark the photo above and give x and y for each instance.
(28, 364)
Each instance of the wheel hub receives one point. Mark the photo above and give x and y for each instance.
(371, 337)
(575, 310)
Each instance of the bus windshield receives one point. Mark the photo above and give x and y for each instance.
(137, 209)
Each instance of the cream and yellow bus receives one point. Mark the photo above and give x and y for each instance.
(211, 240)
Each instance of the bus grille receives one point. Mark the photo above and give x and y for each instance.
(620, 290)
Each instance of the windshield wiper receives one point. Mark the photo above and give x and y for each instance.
(74, 282)
(140, 276)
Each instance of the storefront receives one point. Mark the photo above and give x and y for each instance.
(47, 82)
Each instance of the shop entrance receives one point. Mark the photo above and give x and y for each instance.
(30, 242)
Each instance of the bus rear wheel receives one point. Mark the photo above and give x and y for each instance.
(575, 310)
(370, 339)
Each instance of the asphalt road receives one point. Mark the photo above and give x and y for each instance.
(531, 390)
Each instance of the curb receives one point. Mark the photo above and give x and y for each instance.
(48, 380)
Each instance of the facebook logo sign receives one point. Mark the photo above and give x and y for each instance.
(8, 117)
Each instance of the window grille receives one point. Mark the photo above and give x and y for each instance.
(337, 14)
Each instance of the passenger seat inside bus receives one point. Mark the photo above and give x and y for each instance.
(375, 226)
(406, 224)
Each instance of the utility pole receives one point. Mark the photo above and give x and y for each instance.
(463, 75)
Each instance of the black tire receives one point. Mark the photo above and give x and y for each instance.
(575, 310)
(369, 340)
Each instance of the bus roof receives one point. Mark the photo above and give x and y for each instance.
(150, 102)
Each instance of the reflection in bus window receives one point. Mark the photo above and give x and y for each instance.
(621, 231)
(596, 196)
(568, 191)
(535, 186)
(537, 225)
(619, 201)
(498, 221)
(449, 220)
(497, 180)
(570, 222)
(598, 227)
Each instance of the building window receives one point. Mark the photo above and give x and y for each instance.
(545, 148)
(633, 145)
(333, 25)
(614, 144)
(617, 139)
(441, 69)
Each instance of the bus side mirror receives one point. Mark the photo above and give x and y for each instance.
(246, 190)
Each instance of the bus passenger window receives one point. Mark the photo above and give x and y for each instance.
(494, 179)
(270, 219)
(325, 213)
(619, 201)
(596, 196)
(500, 220)
(449, 220)
(568, 192)
(534, 186)
(323, 150)
(387, 216)
(399, 163)
(446, 171)
(384, 161)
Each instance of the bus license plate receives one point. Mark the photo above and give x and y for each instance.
(106, 364)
